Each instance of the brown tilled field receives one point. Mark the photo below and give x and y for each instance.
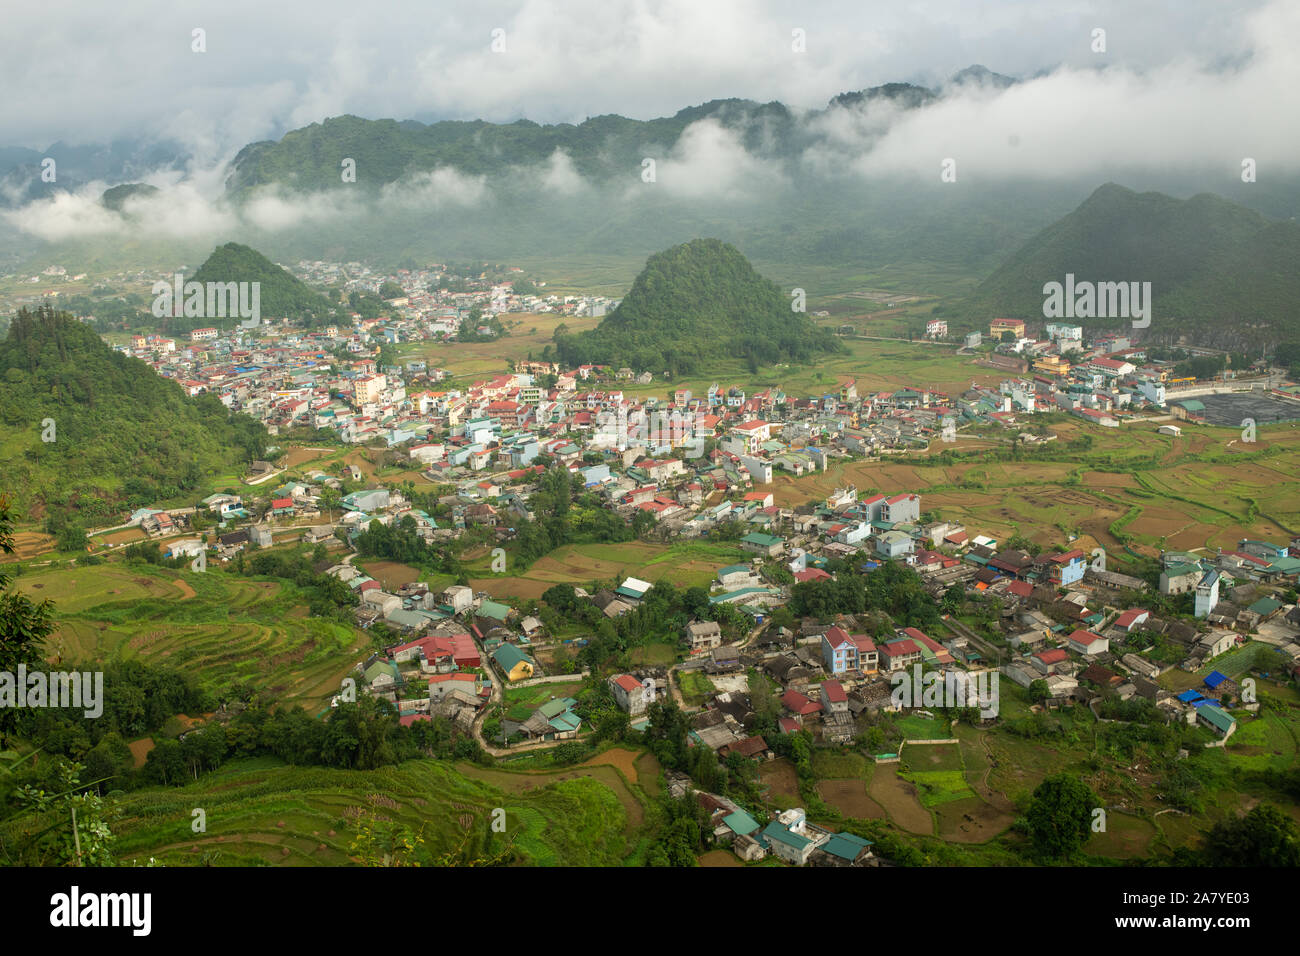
(851, 799)
(898, 797)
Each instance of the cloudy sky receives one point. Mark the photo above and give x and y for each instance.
(86, 71)
(1182, 86)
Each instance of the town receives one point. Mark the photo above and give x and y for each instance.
(1056, 622)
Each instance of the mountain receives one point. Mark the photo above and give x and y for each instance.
(981, 76)
(281, 295)
(115, 197)
(600, 147)
(120, 435)
(694, 305)
(1215, 267)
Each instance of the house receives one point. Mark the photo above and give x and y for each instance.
(800, 705)
(766, 544)
(845, 849)
(554, 720)
(839, 651)
(1216, 643)
(1218, 720)
(1046, 661)
(1131, 620)
(894, 544)
(1015, 326)
(897, 654)
(703, 635)
(788, 838)
(1067, 568)
(1087, 643)
(1207, 593)
(381, 675)
(1179, 578)
(629, 693)
(513, 662)
(834, 699)
(459, 598)
(387, 603)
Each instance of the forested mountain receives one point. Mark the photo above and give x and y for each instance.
(601, 147)
(1215, 267)
(116, 197)
(695, 303)
(88, 432)
(281, 295)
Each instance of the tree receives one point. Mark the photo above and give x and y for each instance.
(1038, 691)
(1060, 815)
(24, 624)
(666, 734)
(78, 834)
(1263, 837)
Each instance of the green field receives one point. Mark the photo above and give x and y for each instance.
(684, 563)
(228, 632)
(520, 702)
(935, 787)
(696, 687)
(263, 813)
(914, 727)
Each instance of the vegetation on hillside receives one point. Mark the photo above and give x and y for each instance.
(281, 295)
(693, 303)
(1215, 266)
(87, 432)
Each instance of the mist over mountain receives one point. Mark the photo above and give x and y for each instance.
(855, 183)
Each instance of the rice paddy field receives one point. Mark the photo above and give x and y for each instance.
(1203, 489)
(263, 813)
(228, 631)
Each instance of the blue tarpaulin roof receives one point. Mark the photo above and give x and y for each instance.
(1188, 696)
(1214, 680)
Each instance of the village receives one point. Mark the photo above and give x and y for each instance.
(1067, 630)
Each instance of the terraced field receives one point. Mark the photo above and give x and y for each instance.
(1204, 489)
(262, 813)
(228, 631)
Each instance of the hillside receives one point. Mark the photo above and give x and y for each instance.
(693, 303)
(116, 197)
(600, 147)
(122, 436)
(282, 295)
(1213, 265)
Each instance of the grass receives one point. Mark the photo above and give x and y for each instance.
(914, 727)
(685, 564)
(935, 787)
(834, 765)
(520, 702)
(653, 655)
(696, 687)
